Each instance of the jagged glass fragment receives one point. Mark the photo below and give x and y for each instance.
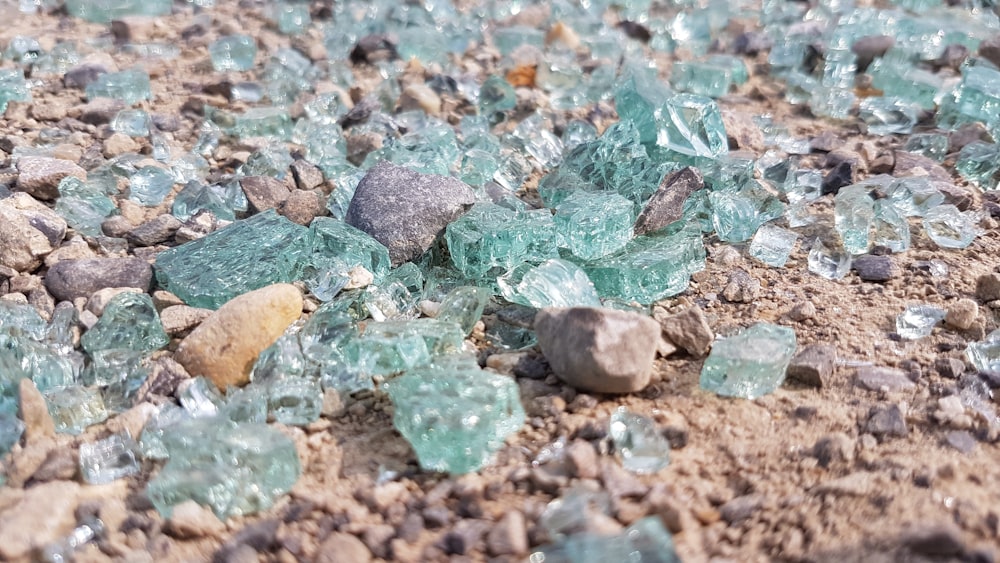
(261, 250)
(129, 321)
(454, 414)
(74, 408)
(772, 245)
(736, 216)
(132, 122)
(103, 11)
(950, 228)
(827, 263)
(490, 237)
(233, 52)
(979, 163)
(246, 404)
(464, 306)
(704, 78)
(538, 141)
(594, 224)
(130, 86)
(931, 145)
(918, 321)
(200, 397)
(854, 214)
(11, 429)
(646, 541)
(913, 196)
(577, 132)
(496, 96)
(110, 459)
(898, 78)
(638, 442)
(891, 229)
(750, 363)
(396, 346)
(887, 116)
(553, 283)
(196, 196)
(150, 185)
(336, 244)
(13, 87)
(84, 206)
(396, 296)
(295, 401)
(976, 98)
(271, 122)
(985, 355)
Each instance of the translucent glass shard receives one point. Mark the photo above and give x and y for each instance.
(129, 321)
(931, 145)
(887, 116)
(985, 355)
(553, 283)
(244, 256)
(103, 11)
(772, 245)
(454, 414)
(130, 86)
(854, 214)
(13, 87)
(233, 52)
(74, 408)
(918, 321)
(594, 224)
(979, 163)
(496, 95)
(950, 228)
(396, 346)
(295, 401)
(464, 306)
(490, 238)
(638, 442)
(646, 541)
(890, 227)
(337, 246)
(150, 185)
(109, 459)
(749, 364)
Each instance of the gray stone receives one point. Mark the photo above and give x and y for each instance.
(70, 279)
(581, 460)
(813, 365)
(22, 246)
(912, 164)
(406, 210)
(39, 216)
(598, 350)
(339, 547)
(870, 47)
(191, 520)
(264, 192)
(40, 175)
(875, 378)
(465, 537)
(962, 314)
(988, 287)
(952, 368)
(667, 204)
(741, 508)
(741, 287)
(942, 539)
(302, 207)
(968, 133)
(509, 535)
(833, 448)
(307, 176)
(961, 440)
(99, 111)
(874, 268)
(83, 74)
(689, 330)
(116, 226)
(154, 231)
(886, 421)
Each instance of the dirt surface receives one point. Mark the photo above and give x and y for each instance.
(798, 475)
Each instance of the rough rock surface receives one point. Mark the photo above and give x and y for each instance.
(70, 279)
(406, 210)
(40, 175)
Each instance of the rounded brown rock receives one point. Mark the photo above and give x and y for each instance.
(226, 345)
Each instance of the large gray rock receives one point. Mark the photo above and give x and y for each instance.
(406, 210)
(69, 279)
(598, 350)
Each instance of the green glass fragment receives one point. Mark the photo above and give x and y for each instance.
(827, 263)
(887, 116)
(553, 283)
(271, 122)
(13, 87)
(950, 228)
(638, 442)
(129, 321)
(150, 185)
(432, 407)
(646, 541)
(594, 224)
(108, 460)
(704, 78)
(336, 245)
(249, 254)
(736, 216)
(394, 346)
(396, 296)
(913, 196)
(74, 408)
(898, 78)
(11, 429)
(103, 11)
(130, 86)
(132, 122)
(891, 229)
(496, 96)
(985, 355)
(979, 163)
(749, 364)
(295, 401)
(233, 52)
(772, 245)
(854, 213)
(931, 145)
(976, 98)
(490, 238)
(463, 305)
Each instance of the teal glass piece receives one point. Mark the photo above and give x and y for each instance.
(272, 160)
(478, 167)
(396, 296)
(130, 86)
(646, 541)
(114, 365)
(21, 320)
(195, 197)
(918, 321)
(496, 96)
(270, 122)
(200, 398)
(594, 224)
(21, 357)
(464, 306)
(397, 346)
(985, 355)
(233, 52)
(736, 216)
(650, 268)
(772, 245)
(931, 145)
(287, 73)
(74, 408)
(129, 321)
(888, 116)
(110, 459)
(854, 215)
(553, 283)
(432, 407)
(979, 163)
(295, 401)
(13, 87)
(103, 11)
(577, 132)
(827, 263)
(537, 140)
(913, 196)
(335, 243)
(23, 50)
(285, 357)
(736, 66)
(950, 228)
(976, 98)
(234, 469)
(898, 78)
(507, 39)
(246, 404)
(890, 228)
(249, 254)
(688, 124)
(132, 122)
(832, 102)
(11, 429)
(425, 45)
(703, 78)
(749, 364)
(291, 18)
(160, 423)
(638, 442)
(490, 238)
(150, 185)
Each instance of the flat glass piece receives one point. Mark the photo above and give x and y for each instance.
(396, 296)
(891, 228)
(979, 163)
(950, 228)
(84, 206)
(854, 215)
(295, 401)
(454, 414)
(918, 321)
(828, 263)
(913, 196)
(976, 98)
(336, 245)
(150, 185)
(129, 321)
(704, 78)
(592, 225)
(887, 116)
(396, 346)
(772, 245)
(130, 86)
(985, 355)
(75, 408)
(110, 459)
(11, 429)
(464, 305)
(262, 250)
(736, 215)
(233, 52)
(489, 238)
(103, 11)
(553, 283)
(200, 397)
(750, 363)
(132, 122)
(638, 442)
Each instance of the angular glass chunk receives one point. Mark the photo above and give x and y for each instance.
(833, 102)
(114, 365)
(246, 404)
(985, 355)
(887, 116)
(84, 206)
(463, 306)
(21, 357)
(976, 98)
(130, 86)
(750, 363)
(918, 321)
(150, 185)
(396, 296)
(594, 224)
(854, 214)
(295, 401)
(891, 229)
(13, 87)
(21, 320)
(336, 244)
(898, 78)
(704, 78)
(129, 321)
(496, 96)
(646, 541)
(979, 163)
(132, 122)
(538, 141)
(650, 268)
(772, 245)
(638, 442)
(454, 414)
(234, 469)
(396, 346)
(11, 429)
(931, 145)
(736, 216)
(200, 397)
(75, 408)
(196, 196)
(103, 11)
(490, 238)
(270, 122)
(684, 123)
(110, 459)
(553, 283)
(233, 52)
(261, 250)
(913, 196)
(950, 228)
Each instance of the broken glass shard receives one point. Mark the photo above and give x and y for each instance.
(490, 237)
(464, 306)
(918, 321)
(638, 442)
(74, 408)
(454, 414)
(646, 541)
(496, 95)
(750, 363)
(772, 245)
(295, 401)
(979, 163)
(950, 228)
(594, 224)
(396, 346)
(233, 52)
(84, 206)
(985, 355)
(931, 145)
(553, 283)
(890, 228)
(103, 11)
(888, 116)
(854, 214)
(130, 86)
(129, 321)
(150, 185)
(396, 296)
(913, 196)
(13, 87)
(132, 122)
(336, 245)
(108, 460)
